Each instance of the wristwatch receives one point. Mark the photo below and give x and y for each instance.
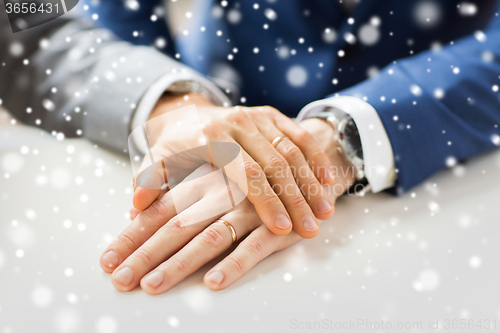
(349, 143)
(188, 86)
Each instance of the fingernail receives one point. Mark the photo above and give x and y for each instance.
(282, 221)
(154, 279)
(310, 223)
(324, 206)
(110, 259)
(215, 277)
(124, 276)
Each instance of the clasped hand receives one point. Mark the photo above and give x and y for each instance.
(165, 242)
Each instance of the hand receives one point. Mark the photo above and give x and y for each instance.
(261, 242)
(159, 248)
(280, 196)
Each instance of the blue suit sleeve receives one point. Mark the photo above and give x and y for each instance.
(124, 21)
(439, 105)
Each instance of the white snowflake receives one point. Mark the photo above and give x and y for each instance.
(60, 177)
(427, 14)
(480, 36)
(68, 272)
(173, 321)
(438, 93)
(416, 90)
(234, 16)
(467, 9)
(67, 320)
(106, 324)
(12, 162)
(428, 280)
(270, 14)
(297, 76)
(2, 259)
(329, 35)
(369, 34)
(495, 138)
(475, 262)
(42, 296)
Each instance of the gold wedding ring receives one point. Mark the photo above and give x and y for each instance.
(230, 227)
(164, 188)
(277, 140)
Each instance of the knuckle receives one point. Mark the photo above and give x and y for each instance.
(251, 169)
(178, 264)
(213, 129)
(236, 264)
(303, 135)
(311, 184)
(144, 256)
(179, 223)
(156, 209)
(237, 116)
(212, 237)
(267, 199)
(318, 155)
(255, 245)
(126, 240)
(269, 110)
(278, 162)
(250, 110)
(298, 200)
(292, 153)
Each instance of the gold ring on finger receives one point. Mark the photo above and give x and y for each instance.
(230, 227)
(277, 140)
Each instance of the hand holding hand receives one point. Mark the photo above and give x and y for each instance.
(284, 182)
(161, 248)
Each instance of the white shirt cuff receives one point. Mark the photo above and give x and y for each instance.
(156, 90)
(377, 150)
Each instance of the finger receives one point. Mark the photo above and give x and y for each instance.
(140, 230)
(249, 175)
(257, 246)
(133, 213)
(146, 224)
(166, 241)
(206, 246)
(312, 190)
(280, 176)
(149, 180)
(144, 197)
(315, 156)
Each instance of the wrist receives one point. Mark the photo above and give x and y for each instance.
(325, 135)
(170, 101)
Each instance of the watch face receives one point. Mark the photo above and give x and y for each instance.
(352, 139)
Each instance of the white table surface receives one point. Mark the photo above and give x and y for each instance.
(431, 254)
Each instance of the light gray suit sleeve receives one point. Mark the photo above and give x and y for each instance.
(72, 77)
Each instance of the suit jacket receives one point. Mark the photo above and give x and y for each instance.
(74, 77)
(438, 65)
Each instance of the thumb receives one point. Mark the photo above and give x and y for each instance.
(148, 183)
